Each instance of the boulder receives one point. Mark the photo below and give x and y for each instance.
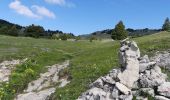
(164, 89)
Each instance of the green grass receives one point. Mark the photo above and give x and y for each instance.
(89, 61)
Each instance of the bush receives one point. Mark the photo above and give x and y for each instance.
(63, 37)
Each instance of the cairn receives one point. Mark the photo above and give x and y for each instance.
(137, 78)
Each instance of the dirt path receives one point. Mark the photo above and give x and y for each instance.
(44, 86)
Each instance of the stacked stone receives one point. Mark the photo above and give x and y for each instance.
(137, 78)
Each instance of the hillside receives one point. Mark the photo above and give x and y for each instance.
(88, 60)
(4, 23)
(106, 34)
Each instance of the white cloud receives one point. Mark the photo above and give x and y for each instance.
(58, 2)
(61, 3)
(42, 11)
(22, 9)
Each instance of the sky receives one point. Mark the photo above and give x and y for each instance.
(85, 16)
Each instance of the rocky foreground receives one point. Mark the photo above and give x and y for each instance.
(138, 78)
(43, 87)
(6, 67)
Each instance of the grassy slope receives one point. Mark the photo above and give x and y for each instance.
(92, 64)
(88, 60)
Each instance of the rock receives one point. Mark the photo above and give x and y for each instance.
(125, 97)
(141, 98)
(115, 94)
(152, 78)
(113, 74)
(94, 94)
(98, 83)
(108, 79)
(131, 65)
(137, 77)
(122, 88)
(161, 98)
(162, 59)
(164, 89)
(45, 84)
(145, 66)
(144, 59)
(6, 67)
(42, 95)
(149, 91)
(132, 72)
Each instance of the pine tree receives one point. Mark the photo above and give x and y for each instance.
(119, 32)
(166, 25)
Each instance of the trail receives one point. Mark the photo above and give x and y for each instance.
(43, 87)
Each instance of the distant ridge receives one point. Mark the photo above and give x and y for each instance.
(106, 34)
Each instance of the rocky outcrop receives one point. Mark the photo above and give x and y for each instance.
(6, 67)
(43, 87)
(162, 59)
(137, 78)
(164, 89)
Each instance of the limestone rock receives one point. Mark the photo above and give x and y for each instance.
(44, 86)
(164, 89)
(151, 78)
(149, 91)
(162, 59)
(130, 63)
(42, 95)
(123, 88)
(161, 98)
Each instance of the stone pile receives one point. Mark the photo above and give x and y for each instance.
(138, 78)
(162, 59)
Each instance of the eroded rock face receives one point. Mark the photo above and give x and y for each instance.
(44, 86)
(6, 67)
(137, 77)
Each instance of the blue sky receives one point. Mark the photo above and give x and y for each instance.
(85, 16)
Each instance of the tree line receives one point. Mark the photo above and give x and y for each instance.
(34, 31)
(119, 32)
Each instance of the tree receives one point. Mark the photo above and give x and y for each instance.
(166, 25)
(63, 37)
(34, 31)
(13, 31)
(4, 30)
(119, 32)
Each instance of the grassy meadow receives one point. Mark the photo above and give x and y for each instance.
(89, 60)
